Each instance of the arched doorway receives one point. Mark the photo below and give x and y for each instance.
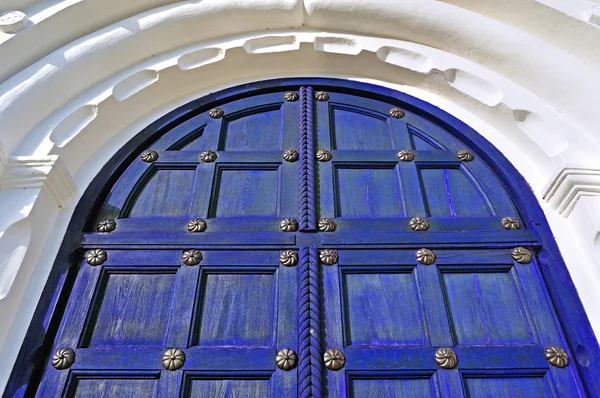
(314, 238)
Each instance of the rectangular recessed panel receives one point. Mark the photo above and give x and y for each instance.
(355, 129)
(392, 388)
(238, 309)
(167, 193)
(134, 309)
(485, 308)
(366, 192)
(228, 388)
(507, 387)
(122, 388)
(255, 132)
(382, 309)
(247, 192)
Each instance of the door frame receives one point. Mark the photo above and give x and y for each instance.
(570, 314)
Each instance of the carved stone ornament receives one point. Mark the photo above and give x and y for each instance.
(327, 225)
(396, 113)
(291, 96)
(334, 359)
(289, 258)
(556, 356)
(216, 113)
(96, 257)
(418, 224)
(149, 156)
(425, 256)
(321, 96)
(63, 358)
(328, 256)
(521, 255)
(323, 155)
(173, 359)
(406, 156)
(208, 156)
(464, 155)
(510, 223)
(446, 358)
(288, 225)
(106, 226)
(286, 359)
(197, 225)
(191, 257)
(291, 156)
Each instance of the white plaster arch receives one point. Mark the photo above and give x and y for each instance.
(69, 105)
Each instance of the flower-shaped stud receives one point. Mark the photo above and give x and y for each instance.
(289, 258)
(321, 96)
(63, 358)
(418, 224)
(288, 225)
(396, 113)
(521, 255)
(149, 156)
(556, 356)
(197, 225)
(425, 256)
(328, 256)
(216, 113)
(464, 155)
(286, 359)
(510, 223)
(106, 226)
(327, 225)
(291, 96)
(334, 359)
(96, 257)
(291, 156)
(191, 257)
(208, 156)
(323, 155)
(446, 358)
(406, 156)
(173, 359)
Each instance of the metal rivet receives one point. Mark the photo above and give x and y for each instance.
(396, 113)
(406, 156)
(323, 155)
(291, 96)
(286, 359)
(556, 356)
(446, 358)
(191, 257)
(63, 358)
(510, 223)
(321, 96)
(425, 256)
(521, 255)
(289, 258)
(208, 156)
(418, 224)
(328, 256)
(106, 226)
(197, 225)
(216, 113)
(96, 257)
(464, 155)
(327, 225)
(288, 225)
(173, 359)
(149, 156)
(334, 359)
(290, 155)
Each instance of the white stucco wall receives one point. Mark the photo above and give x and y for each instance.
(80, 78)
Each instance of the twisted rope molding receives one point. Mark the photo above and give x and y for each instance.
(307, 195)
(310, 366)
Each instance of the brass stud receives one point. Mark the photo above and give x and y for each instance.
(418, 224)
(106, 226)
(191, 257)
(208, 156)
(510, 223)
(196, 225)
(464, 155)
(556, 356)
(321, 96)
(445, 358)
(291, 156)
(521, 255)
(96, 257)
(425, 256)
(216, 113)
(291, 96)
(286, 359)
(63, 358)
(289, 258)
(334, 359)
(406, 156)
(288, 225)
(173, 359)
(396, 113)
(149, 156)
(323, 155)
(328, 256)
(327, 225)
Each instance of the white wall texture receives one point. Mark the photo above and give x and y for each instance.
(81, 77)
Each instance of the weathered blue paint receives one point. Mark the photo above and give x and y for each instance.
(239, 306)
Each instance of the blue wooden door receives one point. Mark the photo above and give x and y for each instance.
(301, 242)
